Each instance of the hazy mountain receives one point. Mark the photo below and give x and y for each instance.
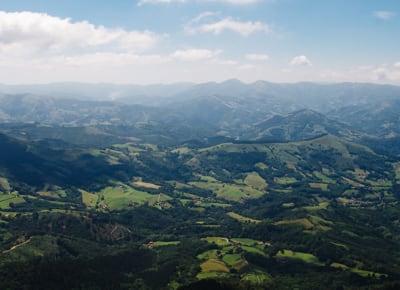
(379, 118)
(300, 125)
(99, 92)
(233, 109)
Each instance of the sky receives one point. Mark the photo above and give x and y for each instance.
(166, 41)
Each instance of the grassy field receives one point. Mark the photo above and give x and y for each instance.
(246, 242)
(248, 245)
(181, 150)
(241, 218)
(11, 198)
(158, 244)
(214, 265)
(261, 166)
(380, 183)
(288, 205)
(210, 254)
(235, 261)
(323, 177)
(253, 250)
(362, 273)
(122, 196)
(227, 191)
(305, 257)
(230, 255)
(285, 180)
(311, 223)
(231, 259)
(322, 205)
(321, 186)
(256, 181)
(211, 275)
(145, 185)
(219, 241)
(256, 277)
(304, 222)
(89, 199)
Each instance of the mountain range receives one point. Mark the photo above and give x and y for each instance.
(200, 186)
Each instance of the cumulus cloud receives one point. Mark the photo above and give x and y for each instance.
(29, 32)
(195, 54)
(244, 28)
(232, 2)
(385, 73)
(384, 15)
(256, 57)
(300, 60)
(380, 74)
(397, 64)
(246, 66)
(109, 59)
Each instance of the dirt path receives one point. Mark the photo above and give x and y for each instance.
(16, 246)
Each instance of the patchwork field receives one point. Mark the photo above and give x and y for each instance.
(230, 255)
(227, 191)
(7, 200)
(122, 196)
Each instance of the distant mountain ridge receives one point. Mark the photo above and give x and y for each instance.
(181, 112)
(300, 125)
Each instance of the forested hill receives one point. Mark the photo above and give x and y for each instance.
(214, 186)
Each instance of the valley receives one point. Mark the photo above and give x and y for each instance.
(295, 199)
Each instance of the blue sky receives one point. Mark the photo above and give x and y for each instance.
(156, 41)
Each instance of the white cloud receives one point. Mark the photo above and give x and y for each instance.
(195, 54)
(246, 66)
(300, 60)
(231, 2)
(229, 62)
(244, 28)
(397, 64)
(111, 59)
(257, 57)
(380, 74)
(31, 33)
(385, 73)
(384, 15)
(202, 16)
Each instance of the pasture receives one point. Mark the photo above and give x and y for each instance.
(241, 218)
